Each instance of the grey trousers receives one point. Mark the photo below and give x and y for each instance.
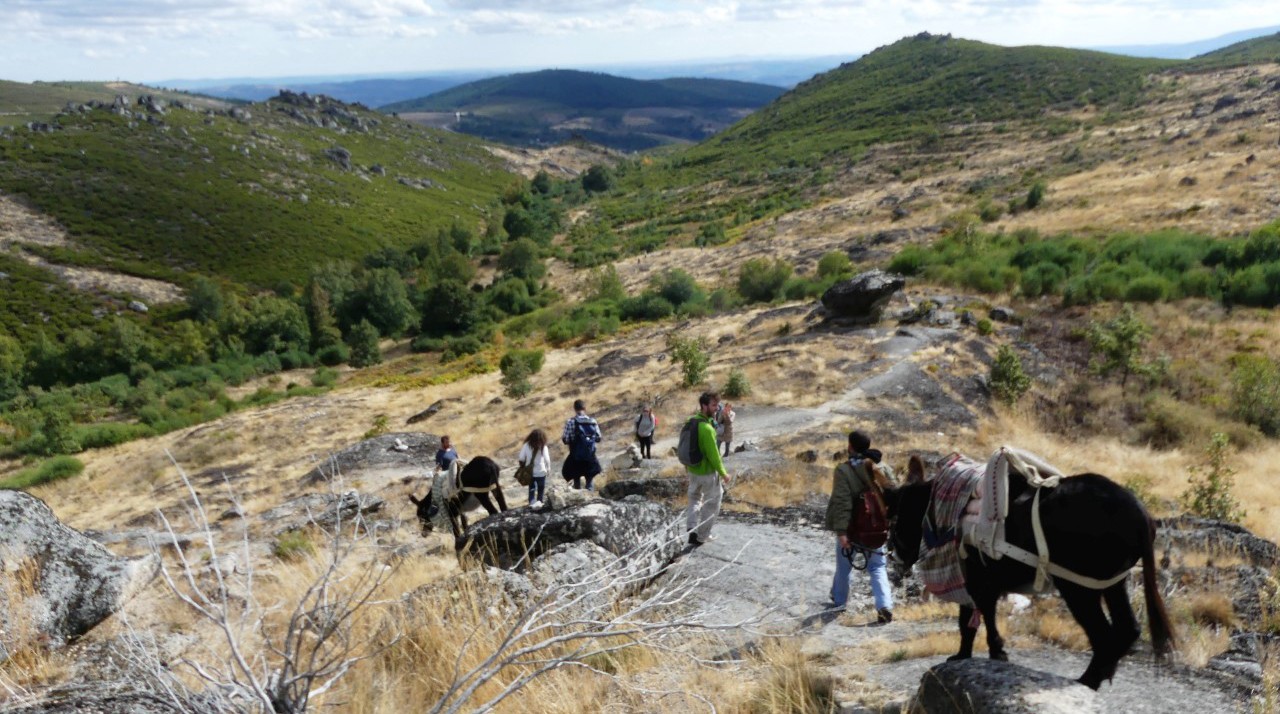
(704, 503)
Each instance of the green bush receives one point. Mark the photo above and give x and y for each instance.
(1148, 288)
(333, 355)
(426, 343)
(1208, 493)
(677, 287)
(532, 359)
(293, 545)
(515, 379)
(1255, 383)
(1035, 196)
(646, 306)
(762, 280)
(985, 327)
(835, 264)
(691, 354)
(324, 377)
(737, 385)
(459, 347)
(54, 469)
(1008, 380)
(96, 436)
(1117, 345)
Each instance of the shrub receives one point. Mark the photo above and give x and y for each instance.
(762, 280)
(1117, 344)
(459, 347)
(737, 385)
(646, 306)
(1208, 494)
(426, 343)
(1035, 196)
(834, 265)
(1008, 381)
(334, 354)
(691, 354)
(515, 379)
(677, 287)
(531, 359)
(364, 345)
(324, 377)
(111, 433)
(55, 469)
(293, 545)
(985, 327)
(598, 179)
(381, 425)
(1255, 385)
(1148, 288)
(59, 438)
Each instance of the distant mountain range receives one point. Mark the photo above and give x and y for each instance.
(1187, 50)
(551, 106)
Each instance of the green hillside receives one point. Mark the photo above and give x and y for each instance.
(1256, 50)
(39, 101)
(919, 89)
(258, 197)
(551, 106)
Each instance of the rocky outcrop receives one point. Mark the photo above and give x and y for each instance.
(651, 488)
(862, 298)
(327, 510)
(60, 583)
(380, 452)
(986, 686)
(645, 532)
(1210, 536)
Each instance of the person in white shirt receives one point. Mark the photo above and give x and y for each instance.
(534, 451)
(646, 424)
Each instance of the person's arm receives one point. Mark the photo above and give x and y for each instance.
(710, 450)
(566, 435)
(840, 507)
(526, 454)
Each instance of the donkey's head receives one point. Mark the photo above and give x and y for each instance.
(906, 506)
(426, 510)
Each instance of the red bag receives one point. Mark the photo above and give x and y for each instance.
(869, 524)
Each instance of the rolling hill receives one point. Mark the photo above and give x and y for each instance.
(254, 195)
(369, 92)
(21, 102)
(551, 106)
(1252, 51)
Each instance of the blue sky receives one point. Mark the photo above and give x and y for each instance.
(152, 40)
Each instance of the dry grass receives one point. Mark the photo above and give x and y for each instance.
(1048, 621)
(789, 684)
(1210, 609)
(780, 488)
(31, 662)
(929, 644)
(926, 610)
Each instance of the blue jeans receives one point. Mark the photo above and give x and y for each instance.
(537, 486)
(875, 570)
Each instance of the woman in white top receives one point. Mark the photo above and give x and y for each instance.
(534, 450)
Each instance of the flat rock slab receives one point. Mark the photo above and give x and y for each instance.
(379, 453)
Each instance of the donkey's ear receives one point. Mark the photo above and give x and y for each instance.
(915, 470)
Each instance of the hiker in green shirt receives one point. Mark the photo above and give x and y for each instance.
(707, 478)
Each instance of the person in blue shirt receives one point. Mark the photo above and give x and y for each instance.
(581, 434)
(446, 455)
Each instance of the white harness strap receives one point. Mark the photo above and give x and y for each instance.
(1041, 563)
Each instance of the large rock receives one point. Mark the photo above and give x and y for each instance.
(1209, 536)
(328, 510)
(380, 452)
(651, 488)
(60, 583)
(990, 687)
(642, 531)
(862, 298)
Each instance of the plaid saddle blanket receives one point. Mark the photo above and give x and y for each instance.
(953, 492)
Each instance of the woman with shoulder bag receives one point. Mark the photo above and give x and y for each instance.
(535, 456)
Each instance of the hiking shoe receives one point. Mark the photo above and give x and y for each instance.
(884, 615)
(535, 504)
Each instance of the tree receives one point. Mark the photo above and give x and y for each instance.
(364, 344)
(324, 328)
(598, 179)
(13, 367)
(677, 287)
(124, 344)
(449, 308)
(541, 182)
(275, 324)
(520, 259)
(1118, 344)
(604, 283)
(384, 301)
(187, 344)
(1035, 196)
(205, 300)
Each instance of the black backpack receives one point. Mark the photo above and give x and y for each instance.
(583, 445)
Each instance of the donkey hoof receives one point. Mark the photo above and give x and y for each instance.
(1090, 682)
(1000, 656)
(958, 656)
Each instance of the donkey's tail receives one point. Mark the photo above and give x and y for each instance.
(1162, 639)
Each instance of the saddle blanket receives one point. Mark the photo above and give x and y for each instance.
(954, 502)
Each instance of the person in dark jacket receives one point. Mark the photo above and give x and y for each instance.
(851, 478)
(581, 434)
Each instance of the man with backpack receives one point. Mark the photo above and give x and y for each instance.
(581, 434)
(856, 513)
(698, 452)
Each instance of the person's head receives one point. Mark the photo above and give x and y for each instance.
(646, 409)
(708, 403)
(579, 405)
(536, 439)
(860, 446)
(445, 443)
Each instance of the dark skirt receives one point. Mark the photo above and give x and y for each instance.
(580, 468)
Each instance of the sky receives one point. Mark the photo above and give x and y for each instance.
(154, 40)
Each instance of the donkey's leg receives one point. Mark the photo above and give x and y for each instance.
(454, 509)
(501, 499)
(967, 635)
(483, 498)
(1086, 606)
(1124, 626)
(986, 602)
